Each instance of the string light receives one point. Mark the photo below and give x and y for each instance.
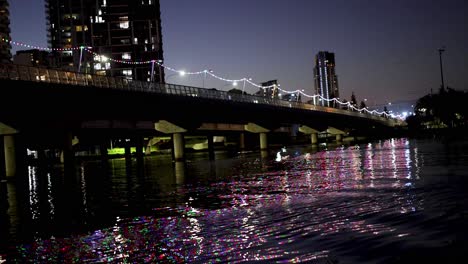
(209, 72)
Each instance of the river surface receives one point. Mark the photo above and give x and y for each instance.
(394, 201)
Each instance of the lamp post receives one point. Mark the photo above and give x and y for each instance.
(204, 75)
(243, 87)
(441, 67)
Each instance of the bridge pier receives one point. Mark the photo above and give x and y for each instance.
(179, 146)
(139, 150)
(263, 141)
(177, 137)
(254, 128)
(242, 141)
(2, 160)
(312, 132)
(10, 155)
(211, 152)
(128, 151)
(339, 138)
(68, 155)
(314, 138)
(103, 152)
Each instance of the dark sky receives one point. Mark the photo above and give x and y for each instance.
(386, 50)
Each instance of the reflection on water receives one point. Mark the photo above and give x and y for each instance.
(381, 202)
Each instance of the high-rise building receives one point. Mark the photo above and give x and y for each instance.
(269, 89)
(123, 30)
(5, 47)
(326, 81)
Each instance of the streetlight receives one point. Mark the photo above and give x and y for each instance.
(234, 84)
(243, 88)
(441, 67)
(181, 74)
(204, 75)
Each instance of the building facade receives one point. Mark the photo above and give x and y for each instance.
(326, 81)
(34, 57)
(122, 30)
(5, 47)
(270, 89)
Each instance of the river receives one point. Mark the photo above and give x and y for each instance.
(393, 201)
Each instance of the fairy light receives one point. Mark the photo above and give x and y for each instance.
(103, 58)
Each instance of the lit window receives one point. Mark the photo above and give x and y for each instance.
(126, 56)
(124, 24)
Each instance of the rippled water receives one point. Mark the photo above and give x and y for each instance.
(396, 201)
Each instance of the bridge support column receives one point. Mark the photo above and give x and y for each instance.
(177, 137)
(263, 141)
(242, 141)
(338, 134)
(67, 156)
(179, 146)
(2, 160)
(103, 152)
(139, 150)
(312, 132)
(10, 155)
(254, 128)
(314, 138)
(211, 152)
(128, 151)
(339, 138)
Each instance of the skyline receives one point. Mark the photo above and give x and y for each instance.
(269, 40)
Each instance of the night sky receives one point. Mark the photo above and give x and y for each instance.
(385, 50)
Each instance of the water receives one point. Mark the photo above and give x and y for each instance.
(395, 201)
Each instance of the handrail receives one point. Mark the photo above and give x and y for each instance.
(57, 76)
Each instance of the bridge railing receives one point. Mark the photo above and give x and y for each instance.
(37, 74)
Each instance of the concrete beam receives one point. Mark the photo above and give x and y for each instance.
(254, 128)
(168, 128)
(7, 130)
(308, 130)
(221, 127)
(335, 131)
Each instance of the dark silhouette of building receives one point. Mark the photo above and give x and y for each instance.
(291, 97)
(34, 57)
(125, 30)
(5, 47)
(326, 81)
(269, 89)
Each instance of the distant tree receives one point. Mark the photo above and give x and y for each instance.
(385, 109)
(445, 109)
(363, 105)
(236, 91)
(353, 100)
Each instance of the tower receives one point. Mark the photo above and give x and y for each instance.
(122, 30)
(326, 81)
(5, 47)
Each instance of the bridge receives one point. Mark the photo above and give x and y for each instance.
(43, 108)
